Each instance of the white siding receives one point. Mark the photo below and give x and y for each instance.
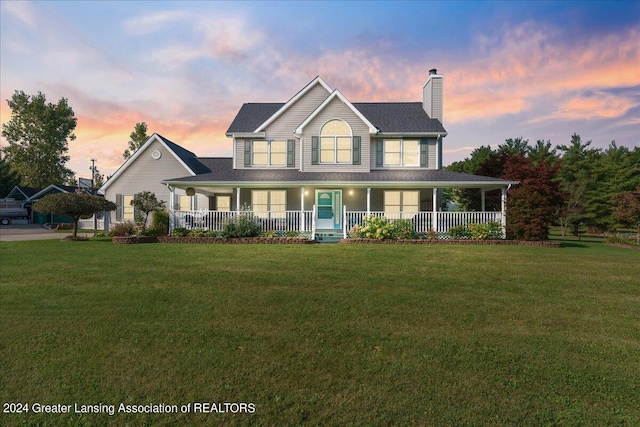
(336, 110)
(146, 173)
(284, 126)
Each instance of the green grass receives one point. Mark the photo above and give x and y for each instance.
(323, 334)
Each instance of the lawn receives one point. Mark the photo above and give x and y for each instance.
(321, 334)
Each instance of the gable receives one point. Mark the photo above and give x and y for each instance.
(335, 109)
(346, 108)
(168, 150)
(284, 125)
(318, 89)
(146, 171)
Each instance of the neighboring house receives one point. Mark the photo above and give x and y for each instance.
(157, 159)
(22, 193)
(318, 164)
(37, 194)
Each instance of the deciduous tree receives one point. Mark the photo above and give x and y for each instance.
(38, 135)
(145, 203)
(626, 209)
(533, 204)
(76, 205)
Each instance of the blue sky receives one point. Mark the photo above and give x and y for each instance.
(540, 70)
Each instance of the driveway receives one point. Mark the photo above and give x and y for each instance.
(19, 232)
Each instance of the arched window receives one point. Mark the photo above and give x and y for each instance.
(335, 142)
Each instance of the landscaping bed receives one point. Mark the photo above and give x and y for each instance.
(545, 243)
(237, 240)
(129, 240)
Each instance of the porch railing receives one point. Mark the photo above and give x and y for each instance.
(423, 222)
(278, 222)
(304, 222)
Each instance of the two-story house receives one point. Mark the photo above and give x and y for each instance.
(318, 164)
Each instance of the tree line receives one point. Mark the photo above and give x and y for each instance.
(38, 136)
(570, 185)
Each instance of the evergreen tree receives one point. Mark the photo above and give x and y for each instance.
(8, 178)
(137, 138)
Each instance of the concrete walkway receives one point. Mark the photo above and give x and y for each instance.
(20, 232)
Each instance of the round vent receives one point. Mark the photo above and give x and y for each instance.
(156, 154)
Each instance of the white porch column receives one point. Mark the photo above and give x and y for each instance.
(238, 199)
(368, 200)
(503, 206)
(483, 192)
(172, 198)
(434, 224)
(302, 209)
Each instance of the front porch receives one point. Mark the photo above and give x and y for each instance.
(330, 210)
(305, 223)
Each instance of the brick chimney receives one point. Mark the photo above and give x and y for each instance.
(432, 97)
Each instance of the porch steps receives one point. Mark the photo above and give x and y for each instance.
(329, 236)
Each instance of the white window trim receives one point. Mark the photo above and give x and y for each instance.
(335, 145)
(402, 204)
(269, 210)
(127, 205)
(402, 164)
(269, 162)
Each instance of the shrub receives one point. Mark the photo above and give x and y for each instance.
(373, 228)
(211, 233)
(269, 233)
(159, 223)
(198, 232)
(403, 229)
(490, 230)
(459, 232)
(292, 233)
(622, 239)
(125, 228)
(181, 231)
(243, 225)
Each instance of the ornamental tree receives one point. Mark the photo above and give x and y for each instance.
(76, 205)
(145, 203)
(534, 203)
(626, 209)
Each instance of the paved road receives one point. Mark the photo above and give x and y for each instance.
(18, 232)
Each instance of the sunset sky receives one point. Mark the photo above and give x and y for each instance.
(540, 70)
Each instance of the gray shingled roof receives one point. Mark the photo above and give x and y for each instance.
(252, 115)
(388, 117)
(222, 172)
(189, 158)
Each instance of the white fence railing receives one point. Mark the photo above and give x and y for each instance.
(278, 222)
(423, 221)
(304, 221)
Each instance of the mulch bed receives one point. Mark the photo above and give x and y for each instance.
(240, 240)
(544, 243)
(128, 240)
(131, 240)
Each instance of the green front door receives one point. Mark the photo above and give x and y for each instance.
(329, 209)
